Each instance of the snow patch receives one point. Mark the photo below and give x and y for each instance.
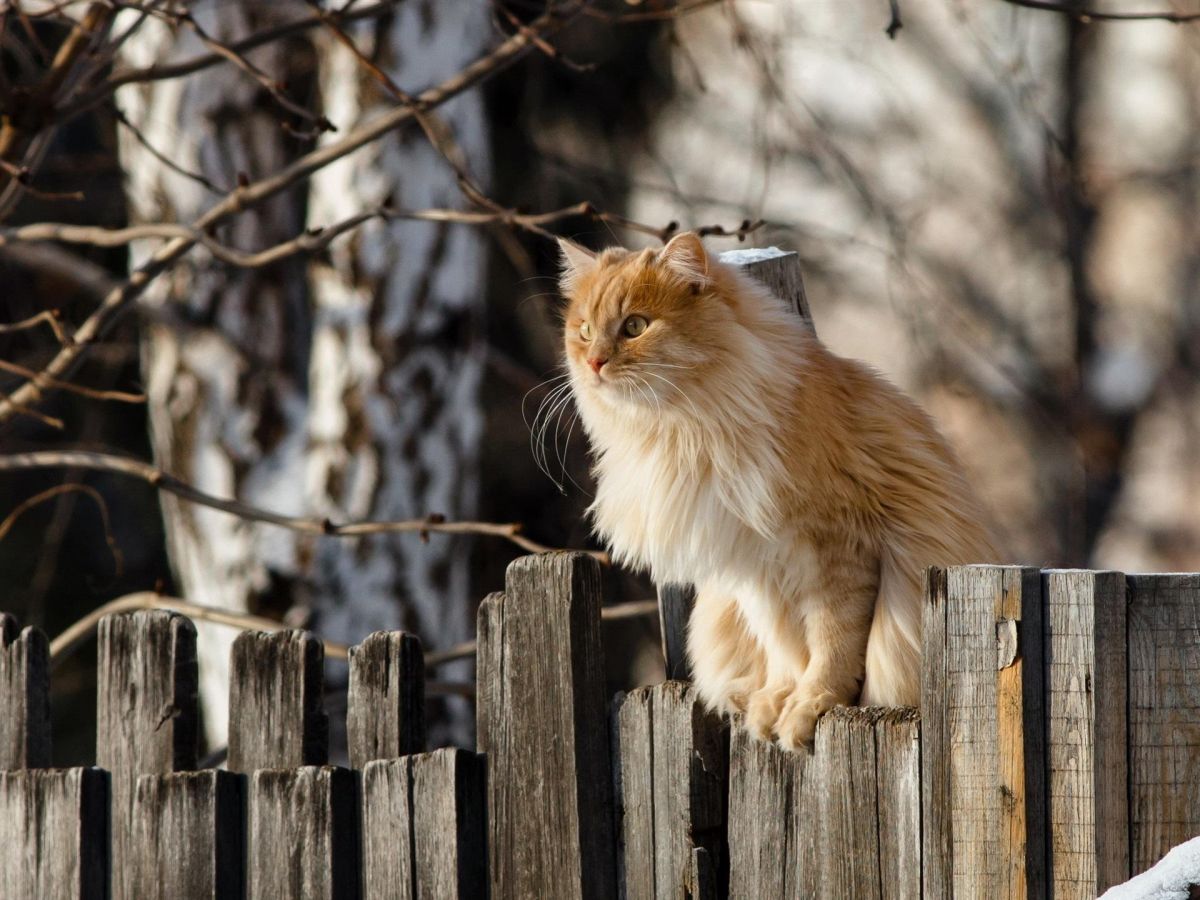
(1171, 878)
(751, 255)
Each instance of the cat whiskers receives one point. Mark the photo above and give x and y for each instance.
(695, 411)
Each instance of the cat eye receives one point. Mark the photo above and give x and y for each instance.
(634, 326)
(585, 331)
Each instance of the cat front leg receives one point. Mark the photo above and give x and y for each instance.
(728, 665)
(836, 632)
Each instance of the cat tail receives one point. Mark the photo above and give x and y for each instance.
(893, 665)
(893, 670)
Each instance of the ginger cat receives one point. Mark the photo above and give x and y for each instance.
(800, 492)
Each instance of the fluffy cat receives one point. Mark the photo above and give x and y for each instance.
(799, 491)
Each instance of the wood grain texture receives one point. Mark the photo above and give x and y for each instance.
(449, 824)
(983, 740)
(849, 808)
(54, 839)
(764, 785)
(1086, 730)
(188, 836)
(24, 697)
(546, 733)
(146, 713)
(387, 823)
(674, 612)
(673, 788)
(1164, 714)
(781, 273)
(303, 837)
(898, 782)
(385, 717)
(276, 719)
(424, 827)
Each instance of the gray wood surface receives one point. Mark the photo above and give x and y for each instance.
(546, 733)
(449, 824)
(54, 838)
(764, 786)
(848, 810)
(1164, 714)
(424, 827)
(24, 697)
(146, 712)
(898, 780)
(188, 836)
(675, 603)
(1086, 732)
(673, 759)
(385, 717)
(983, 741)
(276, 686)
(303, 834)
(387, 823)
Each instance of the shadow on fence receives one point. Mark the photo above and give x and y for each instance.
(1058, 752)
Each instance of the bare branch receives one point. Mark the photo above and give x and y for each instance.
(57, 490)
(45, 381)
(157, 478)
(49, 316)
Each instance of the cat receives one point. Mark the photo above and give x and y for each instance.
(801, 493)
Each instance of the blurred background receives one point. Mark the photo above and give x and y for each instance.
(994, 204)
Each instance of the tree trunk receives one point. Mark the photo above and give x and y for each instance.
(344, 387)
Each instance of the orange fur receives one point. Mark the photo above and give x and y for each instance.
(799, 491)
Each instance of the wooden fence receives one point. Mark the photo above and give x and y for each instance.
(1058, 752)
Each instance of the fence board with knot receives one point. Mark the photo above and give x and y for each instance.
(1057, 752)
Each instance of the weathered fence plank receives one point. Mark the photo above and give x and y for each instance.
(54, 838)
(675, 603)
(1164, 714)
(764, 787)
(848, 813)
(24, 697)
(424, 827)
(982, 744)
(276, 688)
(673, 759)
(898, 780)
(188, 836)
(145, 713)
(1086, 691)
(303, 838)
(386, 708)
(546, 732)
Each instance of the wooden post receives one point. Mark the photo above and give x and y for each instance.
(1086, 732)
(848, 803)
(24, 697)
(145, 713)
(545, 732)
(386, 708)
(764, 787)
(673, 759)
(424, 827)
(189, 836)
(54, 838)
(982, 738)
(779, 270)
(303, 834)
(898, 782)
(276, 688)
(1164, 714)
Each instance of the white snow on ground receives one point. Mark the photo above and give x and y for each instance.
(1169, 879)
(756, 254)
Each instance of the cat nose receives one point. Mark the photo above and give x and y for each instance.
(597, 363)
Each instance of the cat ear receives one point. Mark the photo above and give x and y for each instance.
(576, 262)
(685, 254)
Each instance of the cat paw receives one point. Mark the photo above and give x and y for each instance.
(762, 711)
(797, 722)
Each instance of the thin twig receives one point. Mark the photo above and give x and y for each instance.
(107, 462)
(50, 493)
(49, 316)
(70, 387)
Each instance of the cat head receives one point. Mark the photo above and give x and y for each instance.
(642, 328)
